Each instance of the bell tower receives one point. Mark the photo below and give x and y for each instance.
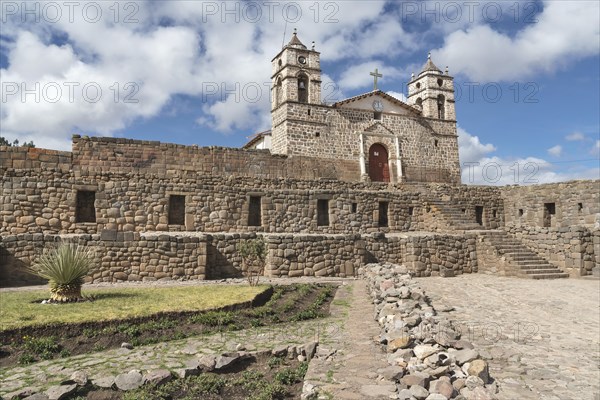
(433, 91)
(296, 75)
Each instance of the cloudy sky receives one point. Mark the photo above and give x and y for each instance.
(527, 73)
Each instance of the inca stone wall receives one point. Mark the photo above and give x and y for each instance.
(425, 254)
(131, 256)
(576, 203)
(569, 238)
(574, 249)
(44, 199)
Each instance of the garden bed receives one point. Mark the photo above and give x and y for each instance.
(279, 305)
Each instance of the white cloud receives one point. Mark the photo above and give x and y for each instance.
(575, 137)
(358, 76)
(595, 151)
(566, 31)
(479, 167)
(399, 96)
(555, 151)
(190, 48)
(470, 148)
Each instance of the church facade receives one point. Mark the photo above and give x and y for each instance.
(389, 140)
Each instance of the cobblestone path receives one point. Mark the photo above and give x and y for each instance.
(543, 336)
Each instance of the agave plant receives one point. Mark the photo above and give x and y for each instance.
(64, 267)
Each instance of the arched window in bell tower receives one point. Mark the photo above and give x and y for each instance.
(303, 88)
(278, 92)
(441, 100)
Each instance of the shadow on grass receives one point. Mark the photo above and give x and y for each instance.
(94, 297)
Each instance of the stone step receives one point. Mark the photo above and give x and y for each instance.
(548, 276)
(540, 265)
(542, 271)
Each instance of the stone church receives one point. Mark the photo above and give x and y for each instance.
(387, 139)
(329, 188)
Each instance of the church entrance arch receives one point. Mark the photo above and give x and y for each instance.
(379, 169)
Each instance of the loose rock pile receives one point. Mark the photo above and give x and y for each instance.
(428, 360)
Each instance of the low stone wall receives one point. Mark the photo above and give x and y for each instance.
(575, 249)
(133, 256)
(139, 258)
(425, 254)
(314, 255)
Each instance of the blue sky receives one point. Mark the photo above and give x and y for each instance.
(527, 73)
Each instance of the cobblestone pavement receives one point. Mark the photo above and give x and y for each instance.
(543, 336)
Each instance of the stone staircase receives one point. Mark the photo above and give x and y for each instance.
(524, 262)
(453, 215)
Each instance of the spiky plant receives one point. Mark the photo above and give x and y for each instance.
(65, 267)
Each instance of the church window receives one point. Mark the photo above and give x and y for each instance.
(418, 85)
(435, 143)
(419, 102)
(411, 211)
(317, 134)
(377, 116)
(279, 62)
(354, 208)
(309, 111)
(84, 206)
(383, 213)
(176, 214)
(580, 207)
(322, 212)
(440, 82)
(254, 211)
(441, 106)
(302, 88)
(520, 212)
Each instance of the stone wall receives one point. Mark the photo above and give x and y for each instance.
(574, 249)
(120, 258)
(314, 255)
(575, 202)
(568, 238)
(425, 254)
(131, 256)
(45, 201)
(93, 155)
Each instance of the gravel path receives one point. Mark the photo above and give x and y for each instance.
(544, 336)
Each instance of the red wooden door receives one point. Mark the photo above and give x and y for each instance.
(379, 170)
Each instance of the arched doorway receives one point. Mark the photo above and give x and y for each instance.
(379, 169)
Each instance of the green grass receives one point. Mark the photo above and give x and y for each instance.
(19, 309)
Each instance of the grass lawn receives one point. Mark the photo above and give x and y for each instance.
(19, 309)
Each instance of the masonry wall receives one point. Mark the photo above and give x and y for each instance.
(574, 249)
(576, 203)
(570, 239)
(187, 255)
(44, 200)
